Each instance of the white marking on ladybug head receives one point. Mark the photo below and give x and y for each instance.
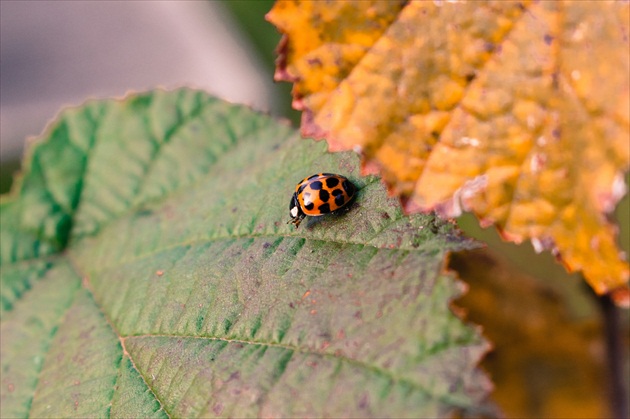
(294, 212)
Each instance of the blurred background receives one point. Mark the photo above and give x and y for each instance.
(55, 54)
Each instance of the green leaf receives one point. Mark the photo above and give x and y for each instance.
(148, 271)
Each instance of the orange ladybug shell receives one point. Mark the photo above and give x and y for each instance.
(323, 193)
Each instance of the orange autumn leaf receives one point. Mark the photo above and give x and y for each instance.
(518, 111)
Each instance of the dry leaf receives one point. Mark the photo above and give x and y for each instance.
(516, 111)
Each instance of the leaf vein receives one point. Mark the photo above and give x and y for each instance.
(88, 287)
(393, 377)
(51, 338)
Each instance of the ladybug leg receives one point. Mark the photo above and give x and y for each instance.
(297, 220)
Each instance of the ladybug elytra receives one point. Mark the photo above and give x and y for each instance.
(319, 194)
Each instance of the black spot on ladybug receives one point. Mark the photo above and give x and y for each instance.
(313, 195)
(324, 209)
(347, 186)
(316, 185)
(331, 182)
(339, 200)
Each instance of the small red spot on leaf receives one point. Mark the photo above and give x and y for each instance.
(364, 402)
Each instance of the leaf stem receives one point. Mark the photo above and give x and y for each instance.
(618, 397)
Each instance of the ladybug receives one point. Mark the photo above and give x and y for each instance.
(319, 194)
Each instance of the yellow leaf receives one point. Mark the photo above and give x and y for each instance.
(518, 111)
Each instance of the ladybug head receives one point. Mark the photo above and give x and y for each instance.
(295, 211)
